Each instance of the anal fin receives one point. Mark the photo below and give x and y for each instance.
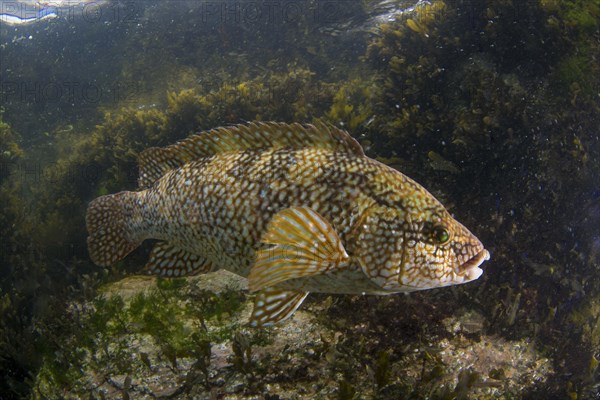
(273, 305)
(171, 261)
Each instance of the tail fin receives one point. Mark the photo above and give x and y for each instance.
(107, 221)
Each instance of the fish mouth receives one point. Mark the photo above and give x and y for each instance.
(470, 269)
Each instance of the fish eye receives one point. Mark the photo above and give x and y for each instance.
(441, 234)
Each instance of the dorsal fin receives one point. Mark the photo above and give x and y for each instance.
(155, 162)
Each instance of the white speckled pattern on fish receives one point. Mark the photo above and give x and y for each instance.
(296, 208)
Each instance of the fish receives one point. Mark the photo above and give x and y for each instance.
(295, 208)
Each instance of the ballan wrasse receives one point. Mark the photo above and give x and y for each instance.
(294, 208)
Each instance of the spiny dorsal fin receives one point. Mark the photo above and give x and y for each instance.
(305, 245)
(155, 162)
(273, 305)
(170, 261)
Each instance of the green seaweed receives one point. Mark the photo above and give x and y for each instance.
(10, 150)
(351, 105)
(100, 342)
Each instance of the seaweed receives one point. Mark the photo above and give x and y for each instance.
(172, 319)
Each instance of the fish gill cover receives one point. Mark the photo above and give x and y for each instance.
(492, 106)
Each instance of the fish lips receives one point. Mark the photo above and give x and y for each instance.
(470, 270)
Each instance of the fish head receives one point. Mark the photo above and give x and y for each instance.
(415, 248)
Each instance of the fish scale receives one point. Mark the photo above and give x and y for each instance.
(294, 208)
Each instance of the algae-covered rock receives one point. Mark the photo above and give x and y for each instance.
(146, 338)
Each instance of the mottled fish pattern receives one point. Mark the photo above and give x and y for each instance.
(295, 208)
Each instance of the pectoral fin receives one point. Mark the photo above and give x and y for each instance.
(171, 261)
(272, 306)
(305, 245)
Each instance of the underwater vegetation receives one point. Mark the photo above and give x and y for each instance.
(492, 105)
(351, 105)
(504, 103)
(145, 338)
(9, 146)
(111, 338)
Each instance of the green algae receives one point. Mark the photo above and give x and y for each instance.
(180, 322)
(351, 104)
(10, 149)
